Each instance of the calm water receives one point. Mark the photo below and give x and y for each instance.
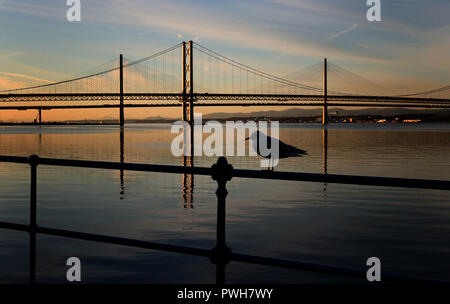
(409, 230)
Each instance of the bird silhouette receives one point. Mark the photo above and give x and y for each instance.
(285, 150)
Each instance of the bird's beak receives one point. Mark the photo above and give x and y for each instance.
(247, 138)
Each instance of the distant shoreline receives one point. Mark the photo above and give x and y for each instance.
(297, 115)
(412, 121)
(294, 116)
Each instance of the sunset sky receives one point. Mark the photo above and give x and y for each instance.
(408, 51)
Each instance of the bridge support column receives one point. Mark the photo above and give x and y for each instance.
(121, 114)
(188, 88)
(40, 116)
(184, 83)
(325, 107)
(191, 84)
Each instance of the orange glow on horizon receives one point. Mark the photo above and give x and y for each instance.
(113, 114)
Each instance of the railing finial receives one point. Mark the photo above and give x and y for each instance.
(222, 171)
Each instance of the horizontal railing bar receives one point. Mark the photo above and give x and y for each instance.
(13, 226)
(262, 174)
(124, 241)
(327, 269)
(125, 166)
(107, 239)
(237, 257)
(14, 159)
(110, 165)
(346, 179)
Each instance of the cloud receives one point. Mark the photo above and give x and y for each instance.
(35, 9)
(347, 30)
(26, 77)
(362, 45)
(272, 25)
(9, 84)
(305, 29)
(237, 29)
(11, 81)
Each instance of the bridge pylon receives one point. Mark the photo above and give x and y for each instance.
(121, 112)
(325, 97)
(188, 82)
(188, 88)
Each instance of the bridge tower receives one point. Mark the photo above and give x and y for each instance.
(188, 82)
(121, 113)
(325, 107)
(188, 91)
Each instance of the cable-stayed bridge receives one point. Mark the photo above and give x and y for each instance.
(189, 75)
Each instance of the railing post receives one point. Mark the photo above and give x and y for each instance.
(222, 172)
(33, 160)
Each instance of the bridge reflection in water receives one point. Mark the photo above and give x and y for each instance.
(325, 157)
(188, 179)
(122, 160)
(188, 184)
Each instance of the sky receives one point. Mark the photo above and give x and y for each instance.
(409, 50)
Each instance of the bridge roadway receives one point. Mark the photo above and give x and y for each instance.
(13, 101)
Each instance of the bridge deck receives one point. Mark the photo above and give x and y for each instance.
(110, 100)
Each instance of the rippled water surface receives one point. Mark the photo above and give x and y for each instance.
(409, 230)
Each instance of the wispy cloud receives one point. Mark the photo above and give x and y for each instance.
(7, 83)
(217, 26)
(264, 30)
(26, 77)
(32, 8)
(347, 30)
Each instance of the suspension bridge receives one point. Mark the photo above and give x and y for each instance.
(167, 78)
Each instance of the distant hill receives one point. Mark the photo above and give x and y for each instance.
(341, 112)
(157, 118)
(437, 115)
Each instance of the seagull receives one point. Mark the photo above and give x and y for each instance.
(285, 150)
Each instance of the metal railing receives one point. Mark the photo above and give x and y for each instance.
(220, 255)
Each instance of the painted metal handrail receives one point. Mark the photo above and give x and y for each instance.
(221, 172)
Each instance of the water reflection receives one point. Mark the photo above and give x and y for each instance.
(400, 226)
(325, 157)
(122, 159)
(188, 184)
